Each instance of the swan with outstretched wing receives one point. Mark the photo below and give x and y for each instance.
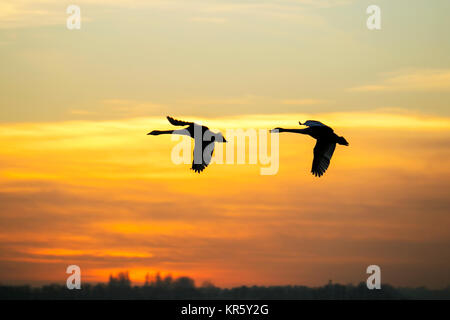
(325, 145)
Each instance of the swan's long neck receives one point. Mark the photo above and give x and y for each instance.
(184, 132)
(303, 131)
(158, 132)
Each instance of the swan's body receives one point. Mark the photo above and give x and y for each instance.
(204, 140)
(325, 145)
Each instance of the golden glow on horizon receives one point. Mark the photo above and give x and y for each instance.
(105, 194)
(103, 253)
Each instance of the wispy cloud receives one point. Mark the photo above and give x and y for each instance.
(29, 13)
(414, 80)
(238, 100)
(303, 102)
(242, 6)
(20, 13)
(216, 20)
(120, 108)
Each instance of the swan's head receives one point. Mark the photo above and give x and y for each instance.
(218, 137)
(341, 140)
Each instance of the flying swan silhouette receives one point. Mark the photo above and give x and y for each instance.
(325, 145)
(204, 140)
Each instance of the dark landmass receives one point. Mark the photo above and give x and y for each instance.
(120, 287)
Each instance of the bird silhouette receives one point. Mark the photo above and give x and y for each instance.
(204, 140)
(325, 145)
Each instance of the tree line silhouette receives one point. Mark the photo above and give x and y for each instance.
(120, 287)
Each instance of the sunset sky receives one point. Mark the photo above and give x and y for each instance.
(81, 182)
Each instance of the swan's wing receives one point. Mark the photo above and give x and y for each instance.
(202, 160)
(313, 123)
(176, 122)
(323, 151)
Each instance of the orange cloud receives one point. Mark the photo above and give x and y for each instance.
(107, 197)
